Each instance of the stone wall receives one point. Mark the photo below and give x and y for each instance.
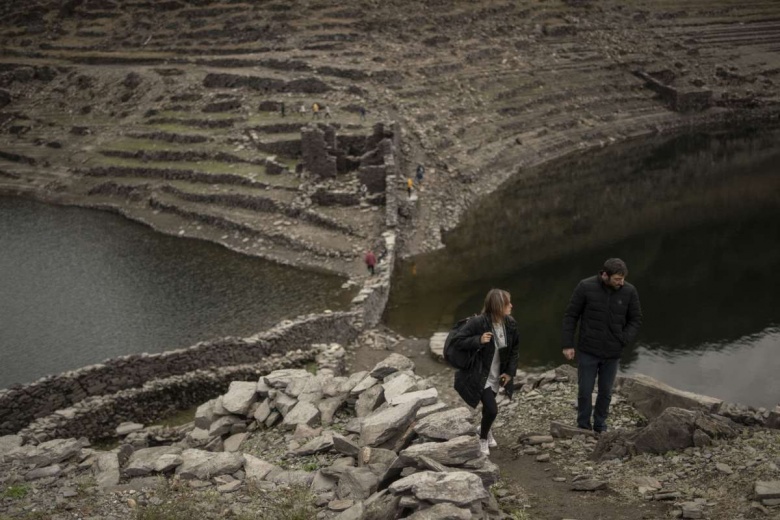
(22, 404)
(97, 417)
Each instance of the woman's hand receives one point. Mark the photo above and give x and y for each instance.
(486, 337)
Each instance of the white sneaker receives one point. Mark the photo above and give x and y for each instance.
(484, 448)
(492, 440)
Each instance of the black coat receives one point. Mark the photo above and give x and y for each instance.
(609, 319)
(470, 383)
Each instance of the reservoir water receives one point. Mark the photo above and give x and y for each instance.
(697, 220)
(80, 286)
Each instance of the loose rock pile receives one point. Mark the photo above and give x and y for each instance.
(385, 446)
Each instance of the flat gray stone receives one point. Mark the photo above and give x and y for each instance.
(239, 397)
(167, 463)
(436, 345)
(400, 384)
(143, 461)
(767, 489)
(318, 444)
(357, 484)
(392, 363)
(328, 408)
(256, 469)
(436, 407)
(283, 377)
(564, 431)
(46, 453)
(106, 469)
(283, 403)
(369, 401)
(458, 487)
(8, 443)
(290, 477)
(233, 442)
(203, 465)
(204, 415)
(446, 425)
(343, 445)
(356, 512)
(126, 428)
(384, 425)
(322, 483)
(443, 511)
(453, 452)
(424, 397)
(262, 411)
(223, 425)
(363, 385)
(48, 471)
(651, 397)
(303, 413)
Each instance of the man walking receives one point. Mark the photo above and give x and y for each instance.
(609, 315)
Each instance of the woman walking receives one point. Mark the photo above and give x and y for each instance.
(492, 336)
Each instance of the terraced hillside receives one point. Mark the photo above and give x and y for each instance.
(170, 111)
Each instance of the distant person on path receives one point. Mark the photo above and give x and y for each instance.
(609, 315)
(281, 108)
(302, 110)
(409, 186)
(315, 111)
(362, 111)
(370, 260)
(493, 333)
(327, 112)
(420, 173)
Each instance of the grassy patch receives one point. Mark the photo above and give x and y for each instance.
(311, 367)
(16, 492)
(178, 418)
(295, 503)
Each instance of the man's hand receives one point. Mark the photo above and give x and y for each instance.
(503, 379)
(568, 353)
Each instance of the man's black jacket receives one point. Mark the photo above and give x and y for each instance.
(609, 319)
(470, 383)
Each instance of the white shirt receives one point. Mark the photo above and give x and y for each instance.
(499, 340)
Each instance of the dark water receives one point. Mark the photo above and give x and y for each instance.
(697, 219)
(79, 286)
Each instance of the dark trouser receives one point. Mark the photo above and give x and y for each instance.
(589, 367)
(489, 411)
(371, 269)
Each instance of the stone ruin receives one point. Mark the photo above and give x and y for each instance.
(396, 449)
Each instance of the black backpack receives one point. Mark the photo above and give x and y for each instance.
(456, 358)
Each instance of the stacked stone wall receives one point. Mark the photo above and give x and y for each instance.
(23, 404)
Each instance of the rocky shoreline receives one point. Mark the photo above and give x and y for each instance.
(391, 443)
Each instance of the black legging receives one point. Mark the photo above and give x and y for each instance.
(489, 411)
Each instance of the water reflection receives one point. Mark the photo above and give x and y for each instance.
(80, 286)
(697, 220)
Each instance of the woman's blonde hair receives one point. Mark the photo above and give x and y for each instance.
(495, 301)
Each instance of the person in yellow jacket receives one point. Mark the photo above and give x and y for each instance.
(409, 186)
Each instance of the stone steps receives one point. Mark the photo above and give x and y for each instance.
(294, 235)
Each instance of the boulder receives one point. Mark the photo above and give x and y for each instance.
(453, 452)
(290, 477)
(446, 425)
(343, 445)
(239, 397)
(392, 363)
(284, 403)
(651, 397)
(143, 461)
(322, 483)
(8, 443)
(127, 428)
(233, 442)
(436, 407)
(328, 408)
(767, 489)
(199, 464)
(459, 487)
(384, 425)
(436, 345)
(262, 411)
(167, 463)
(363, 385)
(52, 471)
(223, 425)
(588, 484)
